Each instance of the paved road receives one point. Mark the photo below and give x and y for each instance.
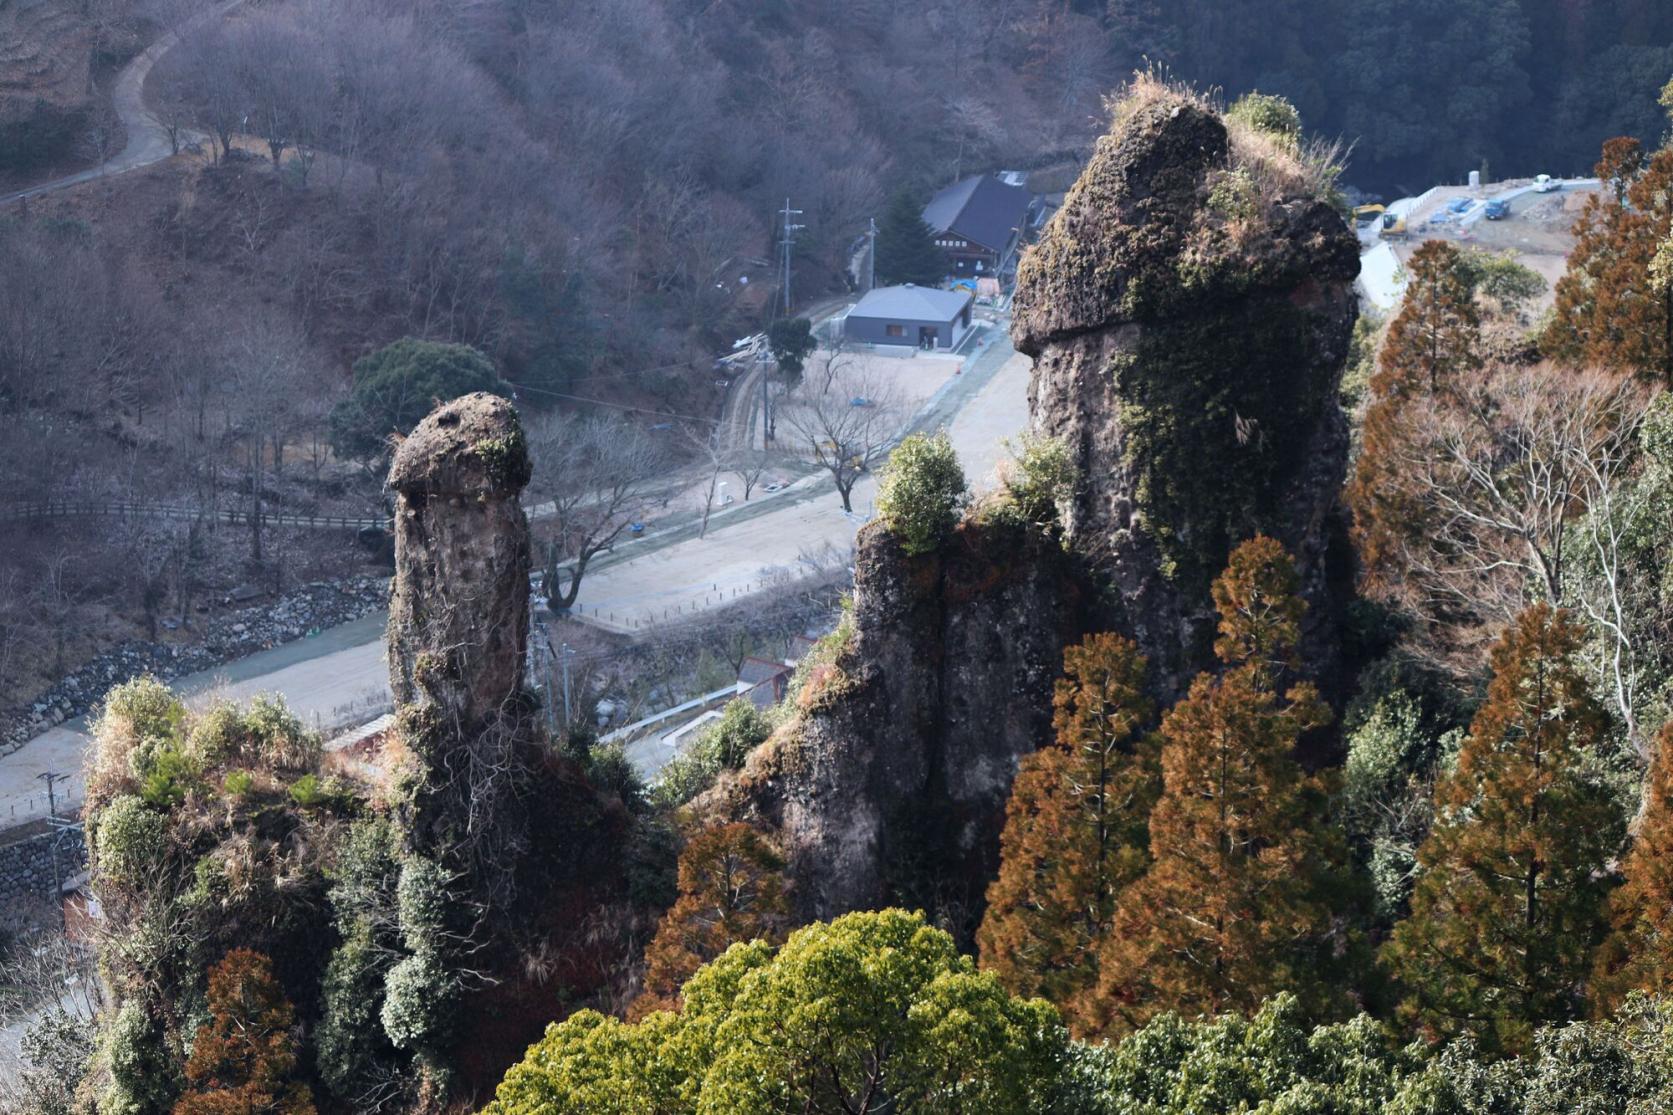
(741, 555)
(330, 678)
(147, 139)
(327, 680)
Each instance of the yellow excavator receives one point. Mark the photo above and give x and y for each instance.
(1365, 214)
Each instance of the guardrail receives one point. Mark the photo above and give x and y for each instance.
(131, 509)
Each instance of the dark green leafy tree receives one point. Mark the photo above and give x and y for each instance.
(792, 342)
(395, 387)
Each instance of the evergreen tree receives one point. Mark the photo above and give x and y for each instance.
(792, 342)
(244, 1058)
(1611, 311)
(731, 888)
(1433, 340)
(906, 251)
(1638, 956)
(1233, 907)
(1075, 833)
(396, 387)
(1509, 903)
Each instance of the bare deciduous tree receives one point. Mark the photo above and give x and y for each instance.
(593, 476)
(847, 427)
(1501, 468)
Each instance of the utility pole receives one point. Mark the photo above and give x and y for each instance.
(568, 713)
(789, 240)
(51, 778)
(871, 258)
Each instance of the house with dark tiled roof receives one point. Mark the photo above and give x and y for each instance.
(977, 222)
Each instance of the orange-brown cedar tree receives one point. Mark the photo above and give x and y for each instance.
(1075, 833)
(1509, 904)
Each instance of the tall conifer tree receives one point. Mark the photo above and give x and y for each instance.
(1435, 338)
(244, 1057)
(1075, 832)
(1638, 955)
(906, 251)
(1509, 905)
(1237, 897)
(1611, 310)
(731, 889)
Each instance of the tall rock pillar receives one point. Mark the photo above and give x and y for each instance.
(459, 612)
(1189, 310)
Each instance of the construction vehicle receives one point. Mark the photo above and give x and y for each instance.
(1394, 226)
(1365, 214)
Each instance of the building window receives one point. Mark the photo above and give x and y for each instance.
(895, 330)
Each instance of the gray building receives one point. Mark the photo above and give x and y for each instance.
(920, 316)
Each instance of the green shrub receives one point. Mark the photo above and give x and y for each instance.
(364, 880)
(143, 1078)
(278, 736)
(1041, 476)
(129, 839)
(741, 729)
(167, 777)
(238, 783)
(683, 778)
(350, 1044)
(724, 745)
(1498, 277)
(306, 792)
(419, 1005)
(922, 492)
(611, 771)
(1265, 112)
(150, 708)
(217, 735)
(1234, 195)
(428, 908)
(56, 1048)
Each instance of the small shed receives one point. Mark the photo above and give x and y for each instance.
(919, 316)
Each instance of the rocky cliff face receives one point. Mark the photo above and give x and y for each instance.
(890, 785)
(1189, 311)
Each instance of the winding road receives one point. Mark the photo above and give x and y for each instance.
(148, 140)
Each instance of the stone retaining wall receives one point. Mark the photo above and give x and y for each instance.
(26, 866)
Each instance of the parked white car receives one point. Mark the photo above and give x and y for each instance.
(1545, 184)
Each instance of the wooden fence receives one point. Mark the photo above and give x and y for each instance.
(130, 509)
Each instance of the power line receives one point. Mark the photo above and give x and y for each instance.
(620, 406)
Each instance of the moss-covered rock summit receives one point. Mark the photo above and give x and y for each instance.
(1189, 310)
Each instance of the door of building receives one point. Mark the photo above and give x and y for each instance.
(928, 336)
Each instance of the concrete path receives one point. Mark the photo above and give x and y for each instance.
(148, 140)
